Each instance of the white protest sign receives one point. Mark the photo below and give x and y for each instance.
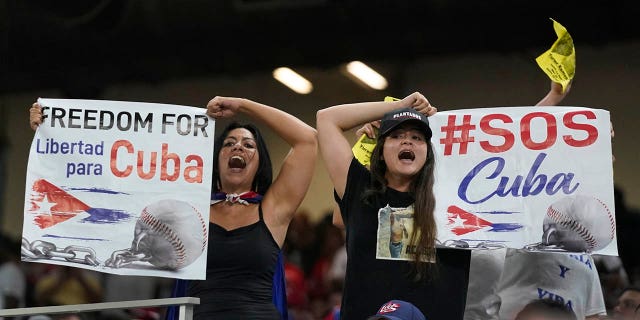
(120, 187)
(538, 178)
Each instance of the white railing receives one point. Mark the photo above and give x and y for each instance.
(185, 311)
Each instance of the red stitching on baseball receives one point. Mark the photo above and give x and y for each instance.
(160, 227)
(204, 228)
(559, 218)
(612, 220)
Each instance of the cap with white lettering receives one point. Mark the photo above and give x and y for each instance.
(398, 310)
(394, 118)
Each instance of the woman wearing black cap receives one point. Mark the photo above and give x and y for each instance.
(400, 179)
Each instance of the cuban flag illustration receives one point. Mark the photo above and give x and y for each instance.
(51, 206)
(95, 165)
(462, 222)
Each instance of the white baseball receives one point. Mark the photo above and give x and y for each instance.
(583, 223)
(172, 233)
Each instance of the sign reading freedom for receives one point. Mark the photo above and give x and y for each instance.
(120, 187)
(536, 178)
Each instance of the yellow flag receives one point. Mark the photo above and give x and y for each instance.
(363, 148)
(559, 62)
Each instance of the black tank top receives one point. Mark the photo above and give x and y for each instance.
(240, 268)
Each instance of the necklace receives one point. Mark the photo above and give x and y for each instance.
(243, 198)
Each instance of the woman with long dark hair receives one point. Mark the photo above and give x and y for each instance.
(250, 213)
(399, 184)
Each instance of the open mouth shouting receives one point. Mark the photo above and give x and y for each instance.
(406, 155)
(237, 162)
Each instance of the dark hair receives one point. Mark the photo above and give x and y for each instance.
(264, 175)
(548, 308)
(424, 232)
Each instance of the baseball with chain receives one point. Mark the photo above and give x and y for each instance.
(170, 233)
(581, 224)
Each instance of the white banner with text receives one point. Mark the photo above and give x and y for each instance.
(120, 187)
(536, 178)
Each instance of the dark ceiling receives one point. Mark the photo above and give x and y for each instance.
(91, 43)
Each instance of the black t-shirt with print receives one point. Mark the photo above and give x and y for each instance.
(373, 278)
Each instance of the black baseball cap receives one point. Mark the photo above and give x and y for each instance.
(394, 118)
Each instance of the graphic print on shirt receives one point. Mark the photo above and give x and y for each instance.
(558, 287)
(395, 226)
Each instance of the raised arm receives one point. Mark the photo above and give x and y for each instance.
(369, 129)
(332, 122)
(555, 95)
(290, 186)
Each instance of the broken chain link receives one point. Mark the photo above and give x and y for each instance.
(121, 258)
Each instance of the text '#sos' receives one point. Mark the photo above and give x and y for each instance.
(462, 134)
